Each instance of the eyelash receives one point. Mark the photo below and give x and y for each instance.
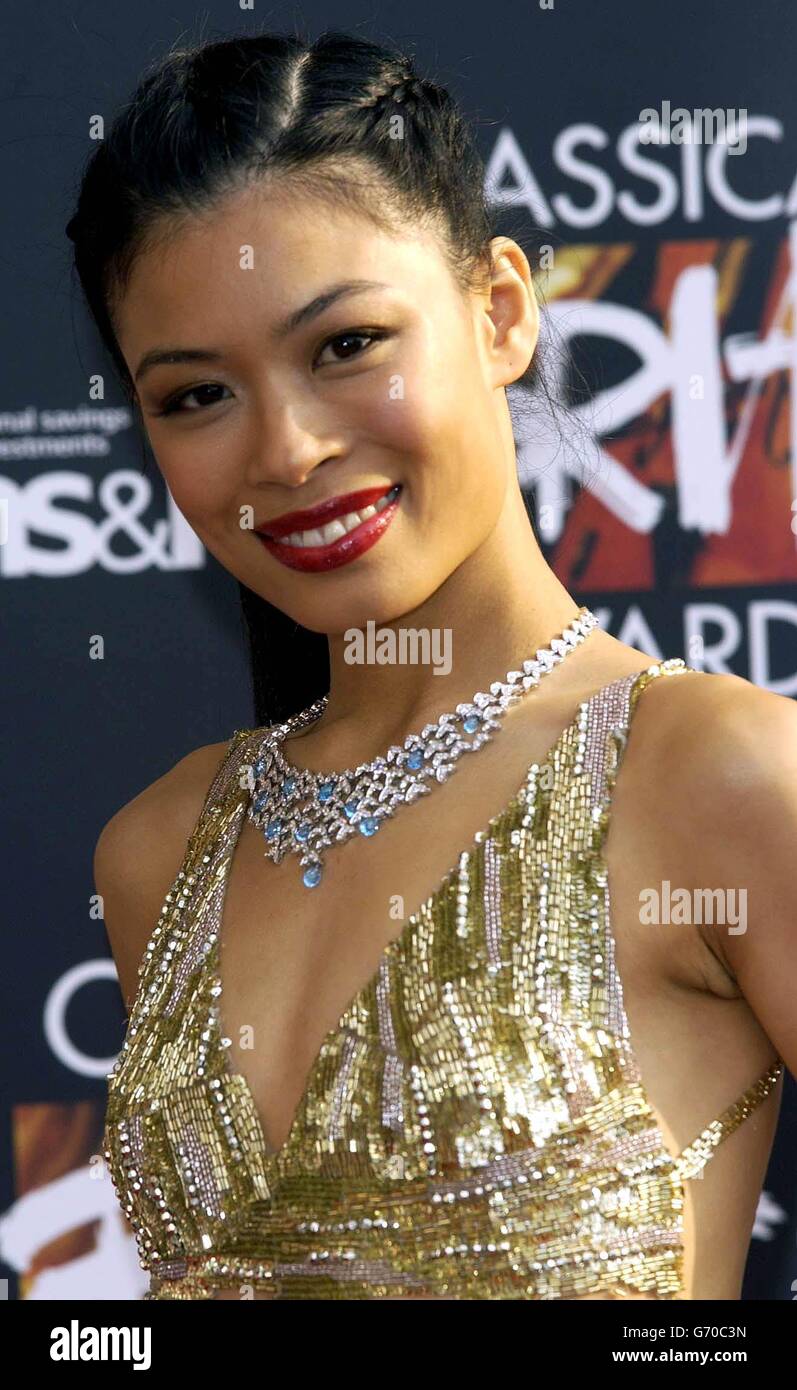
(173, 406)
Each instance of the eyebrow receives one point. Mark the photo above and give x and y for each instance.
(158, 357)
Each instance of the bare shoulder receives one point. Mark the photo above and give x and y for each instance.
(715, 782)
(717, 733)
(139, 853)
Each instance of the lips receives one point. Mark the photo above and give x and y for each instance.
(344, 548)
(311, 518)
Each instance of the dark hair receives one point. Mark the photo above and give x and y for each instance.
(210, 119)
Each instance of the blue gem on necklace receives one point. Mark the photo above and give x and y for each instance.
(289, 784)
(325, 790)
(302, 831)
(471, 724)
(350, 808)
(415, 759)
(273, 828)
(369, 825)
(312, 876)
(260, 802)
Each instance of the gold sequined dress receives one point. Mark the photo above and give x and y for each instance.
(475, 1126)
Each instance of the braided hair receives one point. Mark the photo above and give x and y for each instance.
(209, 119)
(405, 89)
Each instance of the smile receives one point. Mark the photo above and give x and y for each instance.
(338, 541)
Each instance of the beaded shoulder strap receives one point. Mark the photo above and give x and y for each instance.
(205, 853)
(609, 714)
(228, 771)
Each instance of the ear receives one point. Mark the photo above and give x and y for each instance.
(511, 313)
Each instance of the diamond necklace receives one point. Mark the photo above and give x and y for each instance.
(305, 812)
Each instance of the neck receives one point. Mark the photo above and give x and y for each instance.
(495, 610)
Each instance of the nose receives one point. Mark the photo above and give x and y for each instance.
(290, 440)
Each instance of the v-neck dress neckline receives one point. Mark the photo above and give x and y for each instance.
(393, 952)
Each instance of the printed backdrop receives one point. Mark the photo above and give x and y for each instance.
(665, 499)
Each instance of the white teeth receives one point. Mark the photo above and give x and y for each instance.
(333, 531)
(341, 526)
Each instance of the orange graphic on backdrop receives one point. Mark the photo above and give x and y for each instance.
(600, 552)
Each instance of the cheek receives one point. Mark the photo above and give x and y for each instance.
(401, 424)
(200, 485)
(421, 419)
(447, 436)
(421, 401)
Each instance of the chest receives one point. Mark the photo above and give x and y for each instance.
(294, 960)
(447, 933)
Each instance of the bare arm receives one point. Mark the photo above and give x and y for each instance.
(736, 762)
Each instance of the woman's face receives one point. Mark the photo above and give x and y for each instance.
(390, 389)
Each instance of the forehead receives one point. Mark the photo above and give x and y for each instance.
(272, 249)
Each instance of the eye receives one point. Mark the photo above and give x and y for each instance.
(349, 337)
(350, 340)
(174, 406)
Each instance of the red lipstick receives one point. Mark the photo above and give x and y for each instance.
(316, 559)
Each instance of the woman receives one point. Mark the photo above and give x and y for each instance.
(456, 1069)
